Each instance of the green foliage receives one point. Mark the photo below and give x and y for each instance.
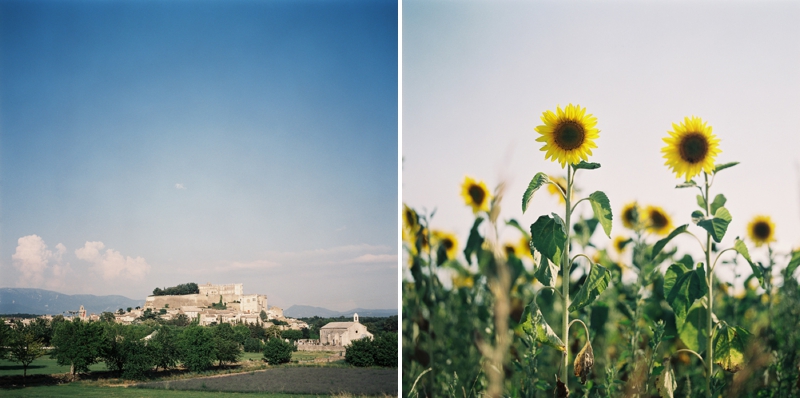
(602, 210)
(548, 236)
(682, 286)
(253, 345)
(263, 316)
(595, 284)
(536, 327)
(724, 166)
(77, 343)
(741, 248)
(586, 165)
(692, 329)
(24, 347)
(386, 350)
(182, 289)
(729, 346)
(292, 335)
(717, 225)
(197, 348)
(360, 353)
(219, 305)
(277, 351)
(226, 346)
(166, 348)
(538, 180)
(663, 242)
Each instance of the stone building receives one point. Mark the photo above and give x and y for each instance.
(342, 333)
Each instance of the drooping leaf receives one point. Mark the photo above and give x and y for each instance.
(535, 326)
(793, 263)
(538, 180)
(718, 202)
(687, 184)
(547, 272)
(586, 165)
(474, 241)
(663, 242)
(665, 382)
(561, 389)
(740, 247)
(682, 287)
(729, 346)
(692, 330)
(724, 166)
(697, 216)
(584, 362)
(595, 283)
(602, 210)
(548, 236)
(717, 225)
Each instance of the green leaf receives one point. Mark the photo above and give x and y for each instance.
(718, 225)
(513, 223)
(538, 180)
(723, 166)
(585, 165)
(718, 202)
(687, 184)
(682, 287)
(602, 210)
(692, 330)
(663, 242)
(729, 345)
(474, 241)
(665, 382)
(548, 236)
(701, 202)
(697, 216)
(547, 272)
(537, 327)
(793, 263)
(740, 247)
(596, 283)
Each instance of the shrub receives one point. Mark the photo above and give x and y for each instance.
(253, 345)
(386, 350)
(360, 353)
(277, 351)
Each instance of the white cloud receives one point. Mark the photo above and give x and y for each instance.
(180, 186)
(33, 260)
(112, 264)
(252, 265)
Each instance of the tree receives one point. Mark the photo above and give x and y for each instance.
(263, 316)
(227, 348)
(180, 320)
(139, 356)
(360, 353)
(120, 311)
(129, 309)
(162, 311)
(277, 351)
(147, 314)
(108, 317)
(42, 330)
(386, 350)
(272, 331)
(292, 335)
(5, 337)
(77, 344)
(166, 350)
(220, 305)
(242, 332)
(253, 345)
(197, 348)
(24, 347)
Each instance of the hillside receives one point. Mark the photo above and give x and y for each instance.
(40, 301)
(307, 311)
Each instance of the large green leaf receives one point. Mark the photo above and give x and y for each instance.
(546, 272)
(793, 263)
(538, 180)
(474, 241)
(586, 165)
(663, 242)
(692, 330)
(718, 202)
(687, 184)
(740, 247)
(729, 345)
(596, 283)
(682, 287)
(602, 210)
(548, 236)
(537, 327)
(717, 225)
(697, 216)
(724, 166)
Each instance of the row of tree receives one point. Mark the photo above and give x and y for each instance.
(184, 288)
(381, 351)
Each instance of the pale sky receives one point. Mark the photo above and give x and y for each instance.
(478, 75)
(147, 144)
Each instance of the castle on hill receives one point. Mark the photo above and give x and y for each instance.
(231, 295)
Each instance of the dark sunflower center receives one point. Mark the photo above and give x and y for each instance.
(658, 220)
(693, 147)
(447, 243)
(411, 219)
(620, 245)
(630, 215)
(510, 251)
(762, 230)
(477, 194)
(569, 135)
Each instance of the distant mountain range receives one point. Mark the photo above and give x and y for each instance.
(43, 302)
(307, 311)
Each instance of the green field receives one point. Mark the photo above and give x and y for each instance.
(81, 390)
(42, 366)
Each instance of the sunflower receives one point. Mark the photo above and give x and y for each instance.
(523, 248)
(630, 215)
(446, 240)
(460, 281)
(619, 243)
(691, 148)
(568, 134)
(553, 189)
(761, 230)
(475, 194)
(657, 220)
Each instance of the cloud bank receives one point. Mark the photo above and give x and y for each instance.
(111, 264)
(37, 264)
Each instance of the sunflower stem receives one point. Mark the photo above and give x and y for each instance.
(565, 281)
(709, 362)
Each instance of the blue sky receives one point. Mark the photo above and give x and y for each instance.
(220, 142)
(478, 75)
